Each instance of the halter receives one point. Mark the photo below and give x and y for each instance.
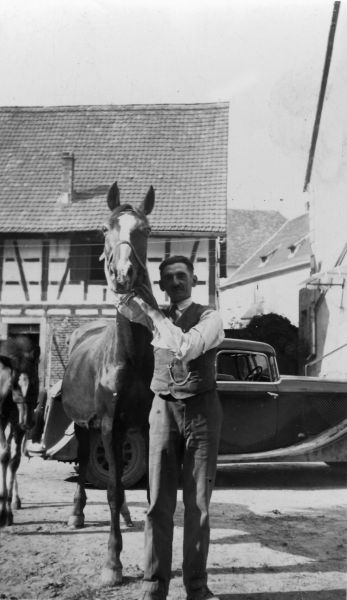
(142, 265)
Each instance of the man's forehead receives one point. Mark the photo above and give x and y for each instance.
(176, 268)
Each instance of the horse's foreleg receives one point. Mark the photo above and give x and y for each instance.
(112, 571)
(13, 501)
(4, 460)
(76, 519)
(125, 512)
(16, 501)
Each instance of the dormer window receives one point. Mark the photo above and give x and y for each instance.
(293, 248)
(266, 257)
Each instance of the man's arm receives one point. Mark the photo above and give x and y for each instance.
(206, 334)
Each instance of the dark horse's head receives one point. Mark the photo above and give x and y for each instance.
(18, 384)
(126, 235)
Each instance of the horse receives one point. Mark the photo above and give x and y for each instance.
(18, 398)
(110, 366)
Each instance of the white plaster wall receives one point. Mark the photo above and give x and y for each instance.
(279, 294)
(328, 207)
(328, 188)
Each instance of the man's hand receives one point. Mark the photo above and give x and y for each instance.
(155, 314)
(132, 308)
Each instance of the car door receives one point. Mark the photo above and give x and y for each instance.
(249, 406)
(307, 407)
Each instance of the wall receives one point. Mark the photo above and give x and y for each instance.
(67, 306)
(23, 272)
(278, 294)
(328, 209)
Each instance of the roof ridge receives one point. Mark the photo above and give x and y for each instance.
(116, 107)
(257, 210)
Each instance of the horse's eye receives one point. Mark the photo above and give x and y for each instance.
(104, 229)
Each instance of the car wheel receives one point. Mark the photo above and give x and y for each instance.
(134, 457)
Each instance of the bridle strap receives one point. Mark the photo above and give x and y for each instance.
(141, 263)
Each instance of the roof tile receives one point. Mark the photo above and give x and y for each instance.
(179, 149)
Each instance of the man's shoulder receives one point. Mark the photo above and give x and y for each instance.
(202, 308)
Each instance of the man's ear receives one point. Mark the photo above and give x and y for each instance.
(195, 280)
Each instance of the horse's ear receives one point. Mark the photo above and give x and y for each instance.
(148, 203)
(113, 196)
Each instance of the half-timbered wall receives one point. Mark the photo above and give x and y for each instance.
(58, 271)
(56, 284)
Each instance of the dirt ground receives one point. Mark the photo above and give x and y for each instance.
(278, 533)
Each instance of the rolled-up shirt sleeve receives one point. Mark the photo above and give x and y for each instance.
(206, 334)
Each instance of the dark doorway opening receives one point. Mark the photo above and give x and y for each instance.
(28, 336)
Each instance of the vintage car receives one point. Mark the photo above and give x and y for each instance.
(268, 417)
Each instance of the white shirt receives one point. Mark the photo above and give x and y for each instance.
(206, 334)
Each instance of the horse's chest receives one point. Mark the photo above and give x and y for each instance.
(115, 377)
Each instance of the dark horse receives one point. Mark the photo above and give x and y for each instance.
(18, 398)
(107, 379)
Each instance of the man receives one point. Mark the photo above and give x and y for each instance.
(185, 423)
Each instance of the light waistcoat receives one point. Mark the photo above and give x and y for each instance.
(182, 379)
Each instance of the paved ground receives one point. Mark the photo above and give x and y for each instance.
(278, 533)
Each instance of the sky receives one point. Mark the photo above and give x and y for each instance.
(265, 57)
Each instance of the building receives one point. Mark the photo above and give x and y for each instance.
(269, 280)
(246, 231)
(56, 165)
(323, 301)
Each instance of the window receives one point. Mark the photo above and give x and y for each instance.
(266, 257)
(243, 366)
(85, 264)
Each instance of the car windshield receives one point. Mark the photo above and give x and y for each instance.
(243, 366)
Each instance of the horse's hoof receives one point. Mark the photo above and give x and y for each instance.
(111, 577)
(3, 519)
(129, 523)
(16, 504)
(76, 521)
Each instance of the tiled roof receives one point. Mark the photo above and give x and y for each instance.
(246, 230)
(179, 149)
(287, 249)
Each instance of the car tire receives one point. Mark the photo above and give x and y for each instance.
(134, 456)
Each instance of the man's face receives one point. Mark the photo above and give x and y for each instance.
(177, 281)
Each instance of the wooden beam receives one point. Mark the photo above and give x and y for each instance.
(1, 266)
(194, 251)
(328, 55)
(212, 272)
(64, 277)
(44, 269)
(21, 270)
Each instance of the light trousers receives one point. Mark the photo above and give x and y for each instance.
(184, 439)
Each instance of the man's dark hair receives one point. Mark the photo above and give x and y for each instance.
(177, 258)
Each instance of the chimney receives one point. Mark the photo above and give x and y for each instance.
(68, 177)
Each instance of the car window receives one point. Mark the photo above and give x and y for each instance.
(243, 366)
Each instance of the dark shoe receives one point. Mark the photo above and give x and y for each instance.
(204, 594)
